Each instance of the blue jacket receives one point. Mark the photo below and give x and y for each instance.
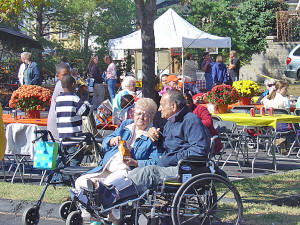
(144, 150)
(32, 75)
(187, 136)
(219, 73)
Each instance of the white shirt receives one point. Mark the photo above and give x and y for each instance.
(21, 73)
(279, 102)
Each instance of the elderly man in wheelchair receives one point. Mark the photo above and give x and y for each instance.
(183, 188)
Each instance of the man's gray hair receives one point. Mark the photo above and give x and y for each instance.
(146, 104)
(126, 81)
(176, 97)
(61, 66)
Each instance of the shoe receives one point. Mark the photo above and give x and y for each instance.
(96, 223)
(280, 140)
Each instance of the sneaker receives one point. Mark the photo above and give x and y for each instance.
(96, 222)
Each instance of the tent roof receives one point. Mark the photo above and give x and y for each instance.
(172, 31)
(24, 40)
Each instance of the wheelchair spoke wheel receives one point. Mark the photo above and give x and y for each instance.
(207, 199)
(31, 216)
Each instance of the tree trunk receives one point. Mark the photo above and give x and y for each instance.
(146, 13)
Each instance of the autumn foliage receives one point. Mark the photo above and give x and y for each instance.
(30, 97)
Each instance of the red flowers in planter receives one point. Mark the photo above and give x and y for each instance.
(222, 94)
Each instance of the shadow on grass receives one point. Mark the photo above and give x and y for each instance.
(270, 218)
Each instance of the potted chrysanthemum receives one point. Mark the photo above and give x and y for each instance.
(246, 89)
(221, 96)
(31, 99)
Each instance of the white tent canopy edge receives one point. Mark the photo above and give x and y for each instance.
(172, 31)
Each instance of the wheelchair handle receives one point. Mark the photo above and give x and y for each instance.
(44, 135)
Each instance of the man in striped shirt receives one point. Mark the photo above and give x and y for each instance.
(69, 112)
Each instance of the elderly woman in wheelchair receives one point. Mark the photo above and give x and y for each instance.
(194, 195)
(143, 151)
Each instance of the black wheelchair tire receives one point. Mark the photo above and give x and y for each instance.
(64, 209)
(31, 216)
(202, 178)
(74, 218)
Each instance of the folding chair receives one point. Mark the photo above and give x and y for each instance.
(296, 143)
(279, 134)
(229, 139)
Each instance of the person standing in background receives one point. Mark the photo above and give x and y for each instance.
(2, 136)
(111, 76)
(189, 68)
(219, 72)
(31, 73)
(21, 69)
(98, 89)
(206, 66)
(234, 67)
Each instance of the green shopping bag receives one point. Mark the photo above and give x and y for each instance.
(45, 155)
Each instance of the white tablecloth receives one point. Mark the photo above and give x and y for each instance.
(19, 138)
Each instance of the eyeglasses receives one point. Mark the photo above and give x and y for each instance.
(144, 114)
(271, 85)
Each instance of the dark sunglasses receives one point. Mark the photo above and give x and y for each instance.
(270, 85)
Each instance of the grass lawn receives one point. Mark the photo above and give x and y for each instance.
(261, 197)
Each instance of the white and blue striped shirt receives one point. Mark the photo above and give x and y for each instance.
(69, 110)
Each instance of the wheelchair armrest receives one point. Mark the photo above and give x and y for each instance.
(194, 159)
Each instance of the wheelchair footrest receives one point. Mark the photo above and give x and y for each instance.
(75, 170)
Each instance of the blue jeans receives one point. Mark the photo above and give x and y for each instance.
(145, 177)
(209, 81)
(111, 83)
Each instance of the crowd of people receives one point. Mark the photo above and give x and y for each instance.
(158, 133)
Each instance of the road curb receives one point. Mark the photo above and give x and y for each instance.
(48, 210)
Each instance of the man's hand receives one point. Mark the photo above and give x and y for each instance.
(153, 133)
(130, 161)
(115, 141)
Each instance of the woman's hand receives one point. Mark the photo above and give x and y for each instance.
(130, 161)
(153, 133)
(115, 141)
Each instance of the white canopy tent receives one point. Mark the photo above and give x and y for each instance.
(172, 31)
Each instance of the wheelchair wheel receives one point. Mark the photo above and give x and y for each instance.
(207, 199)
(65, 209)
(31, 216)
(74, 218)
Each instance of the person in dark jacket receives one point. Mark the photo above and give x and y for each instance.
(98, 89)
(31, 73)
(219, 72)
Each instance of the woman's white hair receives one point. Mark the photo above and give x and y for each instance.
(270, 81)
(126, 81)
(146, 104)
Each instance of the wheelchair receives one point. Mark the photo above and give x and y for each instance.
(31, 215)
(196, 196)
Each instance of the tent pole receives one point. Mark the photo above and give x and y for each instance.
(182, 70)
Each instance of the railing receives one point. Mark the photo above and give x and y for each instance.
(288, 25)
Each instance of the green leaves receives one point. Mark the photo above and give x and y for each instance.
(246, 22)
